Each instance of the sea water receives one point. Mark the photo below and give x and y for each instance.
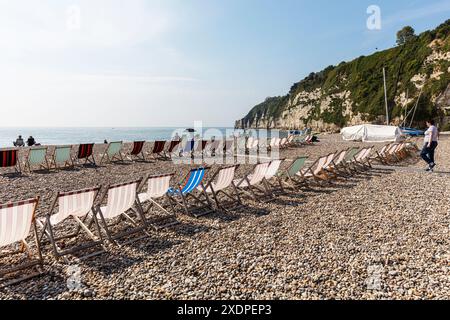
(67, 136)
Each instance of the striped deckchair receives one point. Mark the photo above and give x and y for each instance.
(10, 159)
(218, 185)
(76, 206)
(173, 148)
(156, 193)
(113, 152)
(37, 157)
(335, 165)
(158, 150)
(121, 201)
(16, 222)
(62, 155)
(189, 197)
(249, 185)
(272, 177)
(314, 172)
(361, 161)
(137, 152)
(86, 152)
(291, 177)
(345, 167)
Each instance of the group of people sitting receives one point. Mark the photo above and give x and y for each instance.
(21, 143)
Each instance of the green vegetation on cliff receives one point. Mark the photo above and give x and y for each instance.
(363, 78)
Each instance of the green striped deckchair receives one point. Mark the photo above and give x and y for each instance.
(62, 155)
(291, 177)
(37, 157)
(112, 152)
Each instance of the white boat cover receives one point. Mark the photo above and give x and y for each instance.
(372, 133)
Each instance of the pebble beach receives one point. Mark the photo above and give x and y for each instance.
(382, 234)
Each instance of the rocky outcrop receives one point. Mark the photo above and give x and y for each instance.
(352, 93)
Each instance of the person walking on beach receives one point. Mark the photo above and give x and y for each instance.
(431, 143)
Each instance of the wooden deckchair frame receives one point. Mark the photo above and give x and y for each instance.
(158, 150)
(124, 216)
(33, 262)
(49, 231)
(173, 147)
(277, 185)
(255, 192)
(89, 158)
(234, 202)
(199, 197)
(157, 205)
(67, 164)
(117, 157)
(290, 181)
(44, 165)
(137, 151)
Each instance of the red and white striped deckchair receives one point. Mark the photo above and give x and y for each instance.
(156, 193)
(249, 185)
(158, 149)
(78, 207)
(86, 153)
(273, 173)
(121, 200)
(362, 160)
(252, 146)
(137, 152)
(218, 185)
(16, 222)
(228, 148)
(314, 171)
(215, 148)
(200, 147)
(10, 159)
(174, 148)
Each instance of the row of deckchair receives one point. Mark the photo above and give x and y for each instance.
(61, 157)
(155, 201)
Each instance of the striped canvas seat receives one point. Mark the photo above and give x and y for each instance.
(86, 153)
(158, 147)
(138, 146)
(191, 196)
(121, 198)
(193, 181)
(272, 169)
(76, 204)
(157, 187)
(62, 155)
(9, 159)
(122, 201)
(113, 152)
(315, 169)
(17, 220)
(85, 150)
(228, 148)
(37, 157)
(224, 178)
(255, 178)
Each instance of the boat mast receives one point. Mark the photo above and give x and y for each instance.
(385, 96)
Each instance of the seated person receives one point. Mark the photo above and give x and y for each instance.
(19, 142)
(31, 142)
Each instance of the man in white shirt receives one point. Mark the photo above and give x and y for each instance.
(430, 145)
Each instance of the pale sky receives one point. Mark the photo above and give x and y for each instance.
(173, 62)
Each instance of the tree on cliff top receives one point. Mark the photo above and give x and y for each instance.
(405, 35)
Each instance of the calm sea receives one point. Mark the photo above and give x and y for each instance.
(62, 136)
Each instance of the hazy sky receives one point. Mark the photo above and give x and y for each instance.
(171, 62)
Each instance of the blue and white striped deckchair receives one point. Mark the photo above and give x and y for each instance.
(191, 196)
